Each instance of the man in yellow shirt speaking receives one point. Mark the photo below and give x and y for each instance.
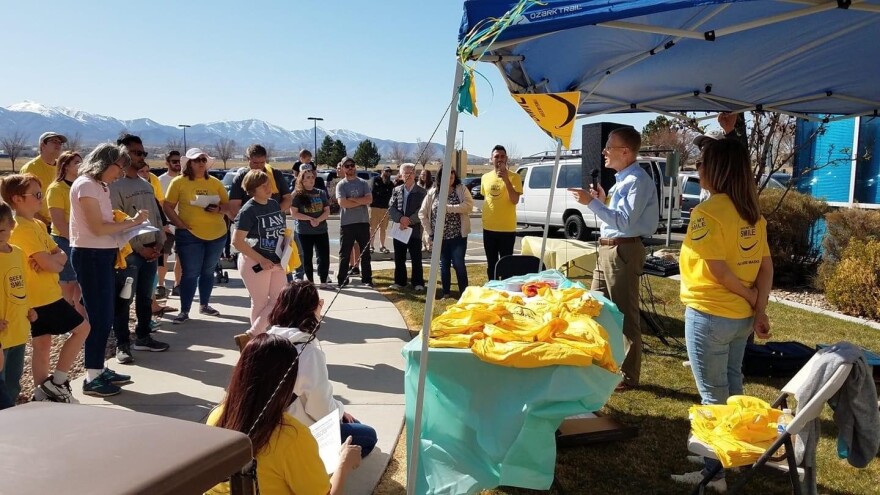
(501, 189)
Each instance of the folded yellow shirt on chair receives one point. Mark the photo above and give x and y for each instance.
(739, 431)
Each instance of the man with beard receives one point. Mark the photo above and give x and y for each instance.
(172, 163)
(131, 194)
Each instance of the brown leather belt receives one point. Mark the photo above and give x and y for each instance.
(616, 241)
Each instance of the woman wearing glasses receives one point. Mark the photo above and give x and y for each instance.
(196, 204)
(93, 250)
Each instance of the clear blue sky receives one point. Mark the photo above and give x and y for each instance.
(380, 68)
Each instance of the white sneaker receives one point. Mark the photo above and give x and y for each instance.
(56, 392)
(419, 288)
(695, 477)
(395, 287)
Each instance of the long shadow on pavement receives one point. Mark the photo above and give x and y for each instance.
(340, 331)
(170, 404)
(196, 366)
(378, 378)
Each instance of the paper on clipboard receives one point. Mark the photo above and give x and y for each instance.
(329, 437)
(129, 234)
(203, 200)
(399, 234)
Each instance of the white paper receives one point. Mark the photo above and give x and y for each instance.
(400, 234)
(329, 437)
(203, 201)
(127, 235)
(284, 251)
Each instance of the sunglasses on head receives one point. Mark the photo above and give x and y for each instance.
(200, 159)
(139, 153)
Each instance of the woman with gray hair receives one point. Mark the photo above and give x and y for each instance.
(93, 249)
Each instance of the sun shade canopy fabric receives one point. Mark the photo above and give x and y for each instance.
(798, 57)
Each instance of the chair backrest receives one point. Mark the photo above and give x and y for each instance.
(516, 264)
(811, 410)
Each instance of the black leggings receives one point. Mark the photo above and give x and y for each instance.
(321, 244)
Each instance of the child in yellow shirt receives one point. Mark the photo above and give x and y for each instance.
(14, 312)
(55, 316)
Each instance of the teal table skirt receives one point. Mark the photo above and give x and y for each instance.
(486, 425)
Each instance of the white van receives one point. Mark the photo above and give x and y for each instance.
(575, 218)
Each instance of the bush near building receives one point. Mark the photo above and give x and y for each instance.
(842, 227)
(791, 220)
(853, 285)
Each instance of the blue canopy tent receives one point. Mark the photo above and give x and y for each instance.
(812, 59)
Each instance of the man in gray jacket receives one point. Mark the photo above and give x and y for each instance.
(406, 200)
(131, 194)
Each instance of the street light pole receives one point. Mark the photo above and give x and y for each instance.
(184, 126)
(315, 134)
(462, 138)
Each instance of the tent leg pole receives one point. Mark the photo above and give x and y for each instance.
(425, 334)
(554, 178)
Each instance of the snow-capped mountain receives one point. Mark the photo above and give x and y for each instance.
(33, 118)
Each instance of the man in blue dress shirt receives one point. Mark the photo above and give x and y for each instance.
(632, 212)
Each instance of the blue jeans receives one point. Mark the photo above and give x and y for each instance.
(97, 279)
(452, 253)
(143, 273)
(361, 434)
(198, 259)
(68, 274)
(10, 375)
(716, 346)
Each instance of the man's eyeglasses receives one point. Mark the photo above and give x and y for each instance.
(38, 194)
(139, 153)
(176, 162)
(200, 159)
(609, 148)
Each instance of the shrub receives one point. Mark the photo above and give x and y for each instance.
(791, 220)
(854, 283)
(843, 226)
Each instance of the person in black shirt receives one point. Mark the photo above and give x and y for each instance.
(382, 188)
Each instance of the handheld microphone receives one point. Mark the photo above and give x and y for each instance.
(595, 175)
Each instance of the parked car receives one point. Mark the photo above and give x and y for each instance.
(575, 218)
(473, 185)
(229, 178)
(689, 184)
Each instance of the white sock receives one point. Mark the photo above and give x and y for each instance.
(92, 374)
(59, 377)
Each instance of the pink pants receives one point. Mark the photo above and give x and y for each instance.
(264, 288)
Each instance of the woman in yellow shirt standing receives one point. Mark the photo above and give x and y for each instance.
(259, 392)
(726, 277)
(196, 204)
(58, 199)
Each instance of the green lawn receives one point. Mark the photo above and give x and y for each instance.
(659, 408)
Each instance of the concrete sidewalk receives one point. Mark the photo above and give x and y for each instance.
(362, 336)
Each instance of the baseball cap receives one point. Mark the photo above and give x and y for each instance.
(305, 166)
(48, 135)
(345, 159)
(193, 153)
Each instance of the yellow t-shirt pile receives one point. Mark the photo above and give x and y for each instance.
(558, 327)
(739, 431)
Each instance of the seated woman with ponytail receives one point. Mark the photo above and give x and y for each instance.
(286, 454)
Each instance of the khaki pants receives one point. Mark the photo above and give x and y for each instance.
(617, 277)
(378, 219)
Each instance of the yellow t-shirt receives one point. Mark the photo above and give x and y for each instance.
(157, 187)
(716, 232)
(288, 464)
(499, 214)
(204, 225)
(31, 237)
(58, 196)
(15, 303)
(44, 172)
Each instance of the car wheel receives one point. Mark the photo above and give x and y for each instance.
(575, 228)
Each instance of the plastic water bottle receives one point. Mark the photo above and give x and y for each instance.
(125, 293)
(782, 425)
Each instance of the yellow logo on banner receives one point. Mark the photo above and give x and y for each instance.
(554, 113)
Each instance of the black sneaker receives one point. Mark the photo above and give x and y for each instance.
(161, 292)
(181, 318)
(117, 378)
(149, 344)
(208, 310)
(100, 387)
(123, 354)
(355, 271)
(175, 291)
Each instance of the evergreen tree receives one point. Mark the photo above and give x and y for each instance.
(324, 155)
(338, 152)
(367, 155)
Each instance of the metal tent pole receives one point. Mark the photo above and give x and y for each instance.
(554, 178)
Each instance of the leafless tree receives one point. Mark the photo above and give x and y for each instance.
(397, 154)
(225, 149)
(175, 144)
(14, 144)
(426, 152)
(73, 142)
(270, 150)
(513, 151)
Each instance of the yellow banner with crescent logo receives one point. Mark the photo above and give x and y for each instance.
(554, 112)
